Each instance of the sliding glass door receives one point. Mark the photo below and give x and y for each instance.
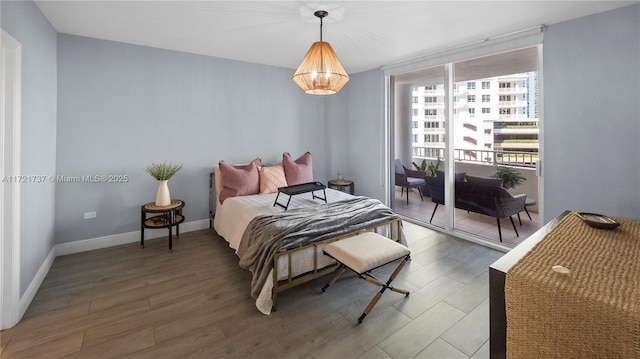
(496, 144)
(472, 128)
(420, 135)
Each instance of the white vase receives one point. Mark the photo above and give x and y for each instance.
(163, 198)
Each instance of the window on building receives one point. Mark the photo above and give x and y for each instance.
(430, 99)
(414, 99)
(415, 138)
(414, 124)
(486, 85)
(471, 98)
(431, 138)
(431, 88)
(472, 112)
(432, 124)
(471, 85)
(415, 112)
(505, 111)
(486, 98)
(504, 85)
(486, 110)
(430, 112)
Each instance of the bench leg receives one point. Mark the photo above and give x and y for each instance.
(336, 274)
(499, 230)
(372, 279)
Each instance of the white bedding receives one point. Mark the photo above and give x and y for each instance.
(233, 216)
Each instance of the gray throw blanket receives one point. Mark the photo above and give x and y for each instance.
(268, 234)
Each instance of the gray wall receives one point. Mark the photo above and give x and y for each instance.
(337, 138)
(592, 115)
(122, 107)
(365, 144)
(25, 22)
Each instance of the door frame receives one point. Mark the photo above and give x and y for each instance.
(524, 39)
(10, 132)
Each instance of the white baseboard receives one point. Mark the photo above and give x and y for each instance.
(31, 291)
(124, 238)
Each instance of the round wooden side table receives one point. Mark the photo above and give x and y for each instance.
(163, 217)
(342, 185)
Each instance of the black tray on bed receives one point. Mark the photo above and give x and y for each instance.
(300, 189)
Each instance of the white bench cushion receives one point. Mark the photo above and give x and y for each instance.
(366, 251)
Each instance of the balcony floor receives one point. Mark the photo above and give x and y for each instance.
(473, 223)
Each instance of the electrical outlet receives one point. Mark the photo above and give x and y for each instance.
(89, 215)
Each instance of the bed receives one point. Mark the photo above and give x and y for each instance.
(298, 264)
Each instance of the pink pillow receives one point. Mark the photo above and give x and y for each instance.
(271, 178)
(239, 180)
(298, 171)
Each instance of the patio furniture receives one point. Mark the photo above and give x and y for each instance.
(528, 203)
(407, 179)
(480, 195)
(436, 188)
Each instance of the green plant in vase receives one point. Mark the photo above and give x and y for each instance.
(163, 172)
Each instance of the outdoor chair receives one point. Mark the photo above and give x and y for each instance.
(436, 187)
(407, 179)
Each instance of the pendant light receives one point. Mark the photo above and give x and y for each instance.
(320, 72)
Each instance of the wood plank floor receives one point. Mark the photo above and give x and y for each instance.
(194, 303)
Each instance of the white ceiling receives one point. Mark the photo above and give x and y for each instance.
(364, 34)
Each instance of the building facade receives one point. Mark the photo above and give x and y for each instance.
(495, 120)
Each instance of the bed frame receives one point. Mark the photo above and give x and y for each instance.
(390, 228)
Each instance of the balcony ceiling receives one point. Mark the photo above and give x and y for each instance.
(364, 34)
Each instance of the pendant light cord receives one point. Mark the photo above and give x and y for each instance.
(320, 14)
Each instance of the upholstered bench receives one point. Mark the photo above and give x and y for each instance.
(363, 253)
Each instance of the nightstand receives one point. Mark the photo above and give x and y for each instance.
(342, 185)
(163, 217)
